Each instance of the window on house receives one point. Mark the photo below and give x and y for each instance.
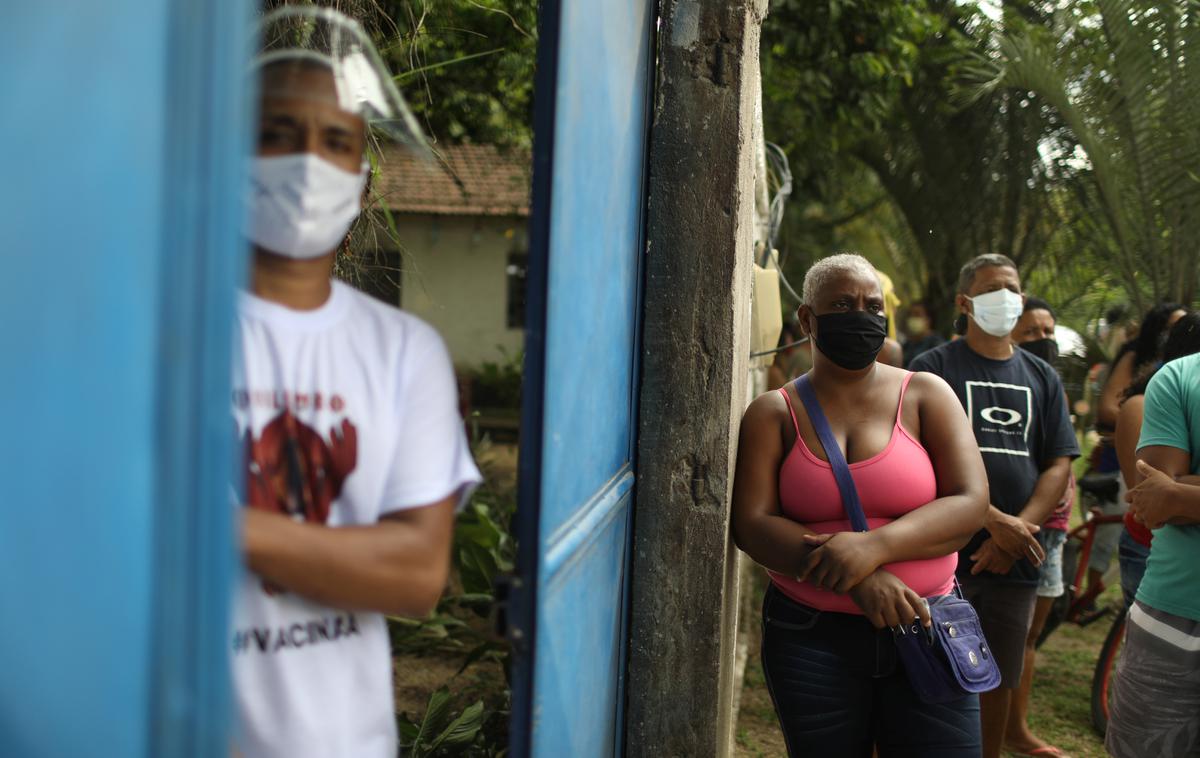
(518, 266)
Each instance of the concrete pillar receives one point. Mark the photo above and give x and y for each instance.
(695, 366)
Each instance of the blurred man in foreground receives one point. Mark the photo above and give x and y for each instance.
(354, 451)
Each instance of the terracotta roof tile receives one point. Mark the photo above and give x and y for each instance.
(464, 180)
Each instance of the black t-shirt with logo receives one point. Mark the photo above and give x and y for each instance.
(1019, 414)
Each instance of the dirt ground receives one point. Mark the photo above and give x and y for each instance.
(415, 678)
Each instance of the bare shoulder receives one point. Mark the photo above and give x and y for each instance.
(769, 406)
(927, 387)
(1122, 370)
(890, 372)
(1131, 409)
(925, 380)
(764, 425)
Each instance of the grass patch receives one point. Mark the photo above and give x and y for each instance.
(1060, 710)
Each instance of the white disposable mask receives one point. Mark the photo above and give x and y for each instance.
(301, 206)
(997, 313)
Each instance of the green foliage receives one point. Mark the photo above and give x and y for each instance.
(498, 384)
(442, 732)
(467, 66)
(441, 632)
(483, 547)
(834, 71)
(1124, 78)
(1061, 134)
(917, 182)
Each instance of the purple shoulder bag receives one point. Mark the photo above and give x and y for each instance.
(951, 659)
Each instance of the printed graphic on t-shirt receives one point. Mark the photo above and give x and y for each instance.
(296, 635)
(1000, 414)
(291, 468)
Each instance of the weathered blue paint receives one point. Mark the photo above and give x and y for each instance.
(118, 210)
(577, 467)
(204, 255)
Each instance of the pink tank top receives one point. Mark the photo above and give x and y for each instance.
(897, 480)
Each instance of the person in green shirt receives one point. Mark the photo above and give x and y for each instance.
(1156, 692)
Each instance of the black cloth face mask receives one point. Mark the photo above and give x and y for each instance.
(1046, 349)
(851, 340)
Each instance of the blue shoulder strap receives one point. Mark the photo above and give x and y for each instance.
(841, 471)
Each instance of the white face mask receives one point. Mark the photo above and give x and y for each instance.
(301, 206)
(997, 313)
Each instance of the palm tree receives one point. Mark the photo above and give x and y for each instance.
(1124, 78)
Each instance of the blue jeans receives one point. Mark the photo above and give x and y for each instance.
(1131, 556)
(840, 690)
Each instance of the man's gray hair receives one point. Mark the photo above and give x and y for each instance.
(966, 276)
(824, 270)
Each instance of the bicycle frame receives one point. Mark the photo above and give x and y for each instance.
(1086, 534)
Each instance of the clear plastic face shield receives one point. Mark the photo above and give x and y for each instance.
(319, 55)
(325, 95)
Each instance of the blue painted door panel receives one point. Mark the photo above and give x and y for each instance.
(595, 249)
(577, 467)
(112, 362)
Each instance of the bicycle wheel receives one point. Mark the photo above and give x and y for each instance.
(1103, 676)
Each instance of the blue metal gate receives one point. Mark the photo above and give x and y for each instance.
(120, 208)
(569, 609)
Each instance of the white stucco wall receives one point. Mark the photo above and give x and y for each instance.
(454, 276)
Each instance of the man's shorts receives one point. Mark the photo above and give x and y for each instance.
(1155, 706)
(1005, 613)
(1050, 573)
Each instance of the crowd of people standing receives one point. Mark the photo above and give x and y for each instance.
(963, 462)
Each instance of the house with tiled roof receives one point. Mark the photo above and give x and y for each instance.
(456, 252)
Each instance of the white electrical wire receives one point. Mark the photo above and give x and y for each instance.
(779, 173)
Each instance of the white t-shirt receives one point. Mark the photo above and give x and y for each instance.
(344, 413)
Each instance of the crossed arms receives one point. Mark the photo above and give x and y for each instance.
(1166, 493)
(847, 561)
(396, 566)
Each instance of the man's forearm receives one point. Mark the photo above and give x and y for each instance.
(389, 567)
(1185, 501)
(994, 516)
(1048, 492)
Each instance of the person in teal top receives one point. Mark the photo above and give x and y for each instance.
(1172, 420)
(1156, 692)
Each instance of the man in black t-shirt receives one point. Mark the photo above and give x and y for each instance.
(1016, 406)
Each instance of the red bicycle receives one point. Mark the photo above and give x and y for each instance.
(1105, 665)
(1074, 606)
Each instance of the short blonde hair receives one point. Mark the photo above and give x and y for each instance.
(826, 269)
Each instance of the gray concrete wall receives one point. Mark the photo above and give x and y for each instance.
(453, 276)
(694, 387)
